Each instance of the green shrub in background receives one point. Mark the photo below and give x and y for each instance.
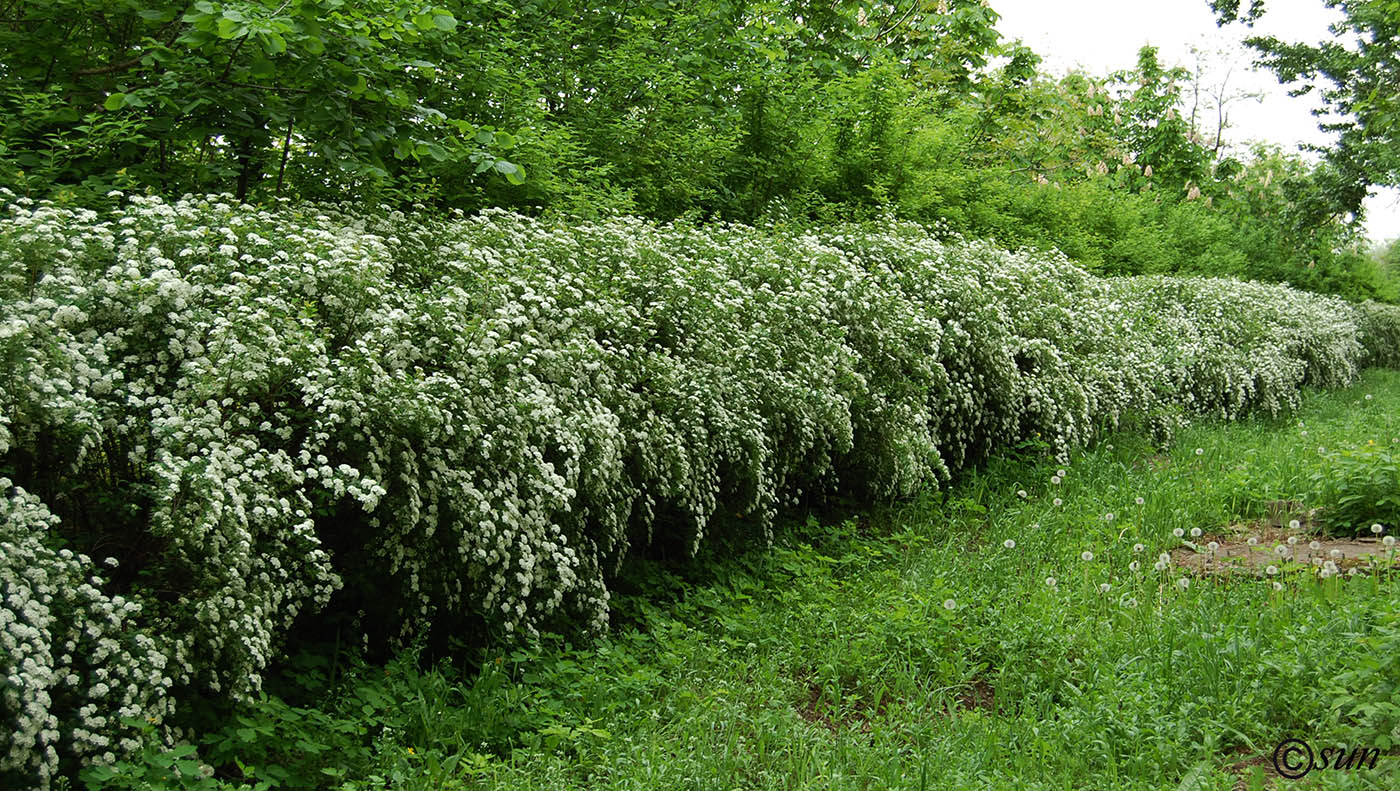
(469, 422)
(1380, 333)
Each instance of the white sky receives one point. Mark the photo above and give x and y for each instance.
(1100, 36)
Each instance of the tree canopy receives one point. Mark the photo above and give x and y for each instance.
(1357, 77)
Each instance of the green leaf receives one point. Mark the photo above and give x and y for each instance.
(513, 172)
(115, 102)
(273, 43)
(444, 21)
(228, 28)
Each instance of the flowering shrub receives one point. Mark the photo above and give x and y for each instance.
(249, 409)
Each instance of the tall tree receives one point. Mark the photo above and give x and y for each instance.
(1357, 78)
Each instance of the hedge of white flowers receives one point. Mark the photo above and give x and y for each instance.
(493, 410)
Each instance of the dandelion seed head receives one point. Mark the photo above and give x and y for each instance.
(1271, 570)
(1195, 532)
(1009, 543)
(949, 604)
(1086, 556)
(1294, 524)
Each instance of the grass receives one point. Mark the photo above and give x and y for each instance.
(914, 647)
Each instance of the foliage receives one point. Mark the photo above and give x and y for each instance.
(470, 423)
(1358, 81)
(1358, 486)
(219, 95)
(1368, 695)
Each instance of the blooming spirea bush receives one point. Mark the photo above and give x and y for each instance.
(248, 409)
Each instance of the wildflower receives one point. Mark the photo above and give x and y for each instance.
(1252, 541)
(1086, 556)
(1281, 550)
(1021, 493)
(1108, 517)
(1195, 532)
(949, 604)
(1377, 529)
(1271, 570)
(1294, 524)
(1278, 586)
(1212, 546)
(1164, 558)
(1104, 587)
(1134, 566)
(1292, 540)
(1139, 548)
(1058, 502)
(1184, 582)
(1009, 543)
(1314, 545)
(1368, 396)
(1055, 479)
(1140, 501)
(1061, 473)
(1336, 554)
(1389, 541)
(1199, 451)
(1178, 532)
(1050, 581)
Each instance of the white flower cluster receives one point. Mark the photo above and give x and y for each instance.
(74, 661)
(482, 415)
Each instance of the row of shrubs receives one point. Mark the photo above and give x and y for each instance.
(213, 416)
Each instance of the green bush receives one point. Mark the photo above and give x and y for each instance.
(471, 421)
(1357, 487)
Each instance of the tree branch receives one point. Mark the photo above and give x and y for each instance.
(109, 68)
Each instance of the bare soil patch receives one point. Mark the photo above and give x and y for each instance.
(1234, 553)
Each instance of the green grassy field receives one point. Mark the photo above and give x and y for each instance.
(1006, 633)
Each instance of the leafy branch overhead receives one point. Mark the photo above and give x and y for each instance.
(1357, 77)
